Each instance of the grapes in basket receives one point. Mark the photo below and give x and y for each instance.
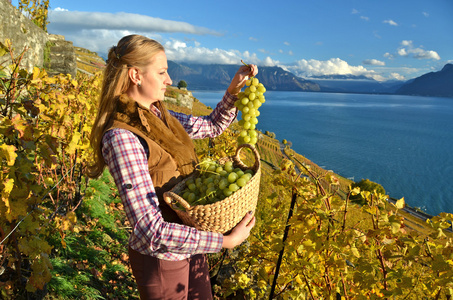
(214, 182)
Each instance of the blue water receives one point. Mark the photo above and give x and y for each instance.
(404, 143)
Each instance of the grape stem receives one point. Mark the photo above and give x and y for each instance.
(246, 65)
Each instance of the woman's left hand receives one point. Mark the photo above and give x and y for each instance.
(238, 81)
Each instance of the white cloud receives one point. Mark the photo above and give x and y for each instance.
(390, 22)
(286, 43)
(373, 62)
(364, 18)
(79, 20)
(354, 11)
(99, 31)
(425, 14)
(269, 62)
(407, 49)
(253, 39)
(333, 66)
(180, 51)
(397, 76)
(60, 9)
(389, 55)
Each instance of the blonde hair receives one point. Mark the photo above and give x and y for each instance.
(131, 51)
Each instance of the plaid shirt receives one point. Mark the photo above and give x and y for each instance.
(126, 158)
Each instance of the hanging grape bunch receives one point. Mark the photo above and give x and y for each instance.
(214, 182)
(248, 103)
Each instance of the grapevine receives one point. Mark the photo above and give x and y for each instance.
(248, 103)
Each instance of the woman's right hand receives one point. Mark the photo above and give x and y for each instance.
(239, 233)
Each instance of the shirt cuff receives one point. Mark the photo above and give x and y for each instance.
(229, 100)
(210, 242)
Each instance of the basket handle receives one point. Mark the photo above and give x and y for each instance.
(168, 196)
(255, 152)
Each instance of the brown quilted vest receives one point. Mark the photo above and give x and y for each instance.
(171, 151)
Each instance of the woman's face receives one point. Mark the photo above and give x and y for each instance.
(154, 79)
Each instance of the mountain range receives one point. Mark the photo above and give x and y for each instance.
(218, 77)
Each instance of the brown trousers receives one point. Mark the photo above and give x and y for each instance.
(163, 279)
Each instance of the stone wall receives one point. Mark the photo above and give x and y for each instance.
(42, 49)
(23, 34)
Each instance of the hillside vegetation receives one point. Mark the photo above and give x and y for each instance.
(65, 237)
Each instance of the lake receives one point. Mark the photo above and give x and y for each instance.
(404, 143)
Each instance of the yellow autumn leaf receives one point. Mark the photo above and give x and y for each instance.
(36, 73)
(400, 203)
(8, 152)
(8, 185)
(73, 144)
(354, 251)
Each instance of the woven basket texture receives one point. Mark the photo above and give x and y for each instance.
(224, 215)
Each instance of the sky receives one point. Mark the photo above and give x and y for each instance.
(384, 40)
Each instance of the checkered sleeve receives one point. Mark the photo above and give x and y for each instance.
(213, 125)
(127, 161)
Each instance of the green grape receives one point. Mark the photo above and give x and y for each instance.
(252, 88)
(219, 169)
(247, 125)
(253, 140)
(243, 133)
(255, 81)
(245, 101)
(257, 103)
(240, 173)
(233, 187)
(245, 110)
(228, 166)
(192, 187)
(252, 96)
(252, 133)
(246, 118)
(227, 192)
(191, 197)
(247, 139)
(254, 120)
(232, 177)
(208, 180)
(248, 82)
(247, 176)
(223, 183)
(241, 182)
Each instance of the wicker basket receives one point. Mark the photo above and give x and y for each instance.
(223, 215)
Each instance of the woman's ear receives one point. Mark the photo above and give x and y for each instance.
(134, 75)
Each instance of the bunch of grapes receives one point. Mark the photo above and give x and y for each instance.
(214, 182)
(248, 103)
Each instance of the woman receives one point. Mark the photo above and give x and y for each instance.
(148, 150)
